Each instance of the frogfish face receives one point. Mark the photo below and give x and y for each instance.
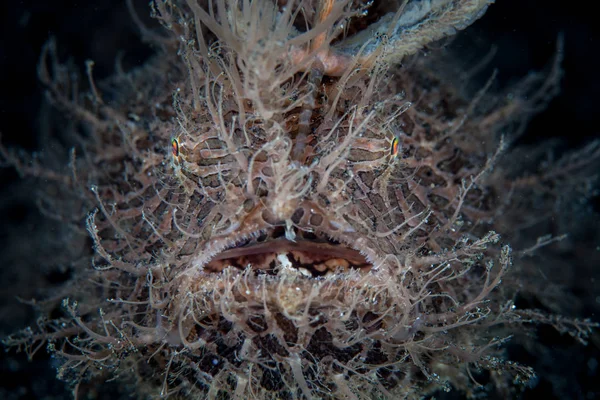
(330, 223)
(290, 202)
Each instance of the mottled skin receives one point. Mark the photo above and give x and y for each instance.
(266, 141)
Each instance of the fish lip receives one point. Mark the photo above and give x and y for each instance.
(260, 221)
(236, 245)
(283, 245)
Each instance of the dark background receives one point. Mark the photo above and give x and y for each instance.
(525, 34)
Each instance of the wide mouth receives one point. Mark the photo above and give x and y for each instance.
(313, 254)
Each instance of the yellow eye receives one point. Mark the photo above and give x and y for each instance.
(394, 147)
(175, 147)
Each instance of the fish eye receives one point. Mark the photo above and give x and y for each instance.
(175, 147)
(394, 147)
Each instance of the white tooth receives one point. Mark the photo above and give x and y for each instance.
(289, 231)
(285, 262)
(304, 272)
